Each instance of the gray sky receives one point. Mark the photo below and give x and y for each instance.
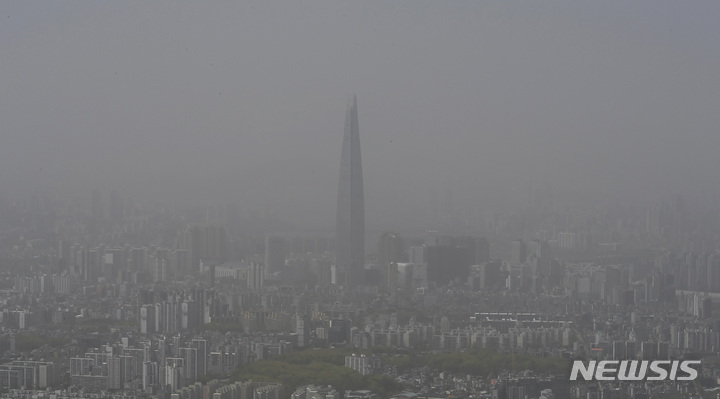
(244, 101)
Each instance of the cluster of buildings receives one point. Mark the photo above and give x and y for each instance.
(170, 312)
(28, 374)
(191, 296)
(156, 363)
(117, 367)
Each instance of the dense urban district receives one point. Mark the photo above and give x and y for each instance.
(106, 297)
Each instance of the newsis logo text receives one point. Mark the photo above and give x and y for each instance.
(634, 370)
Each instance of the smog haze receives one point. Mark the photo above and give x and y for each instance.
(464, 107)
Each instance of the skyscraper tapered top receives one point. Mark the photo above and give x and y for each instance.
(350, 223)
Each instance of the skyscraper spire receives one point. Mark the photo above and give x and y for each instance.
(350, 223)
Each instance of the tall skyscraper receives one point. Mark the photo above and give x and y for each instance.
(350, 223)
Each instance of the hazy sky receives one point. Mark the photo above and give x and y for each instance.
(244, 101)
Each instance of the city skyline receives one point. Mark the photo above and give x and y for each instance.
(181, 216)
